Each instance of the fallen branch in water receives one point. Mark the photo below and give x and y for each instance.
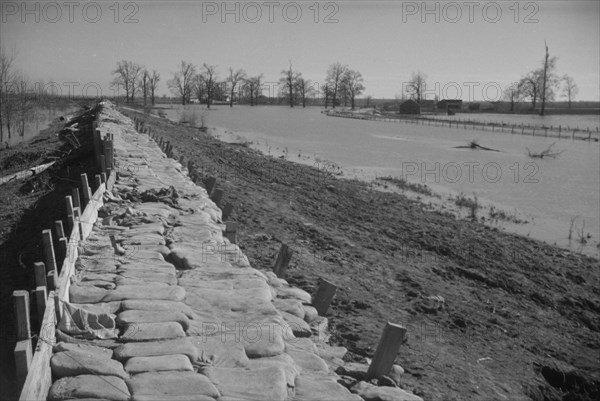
(546, 153)
(475, 145)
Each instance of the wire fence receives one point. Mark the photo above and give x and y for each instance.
(560, 132)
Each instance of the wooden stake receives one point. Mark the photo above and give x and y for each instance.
(76, 199)
(211, 183)
(385, 354)
(49, 250)
(227, 209)
(98, 147)
(216, 196)
(40, 274)
(60, 231)
(325, 294)
(62, 245)
(21, 299)
(51, 281)
(85, 187)
(231, 231)
(23, 356)
(40, 301)
(283, 259)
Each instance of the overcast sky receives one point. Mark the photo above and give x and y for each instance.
(470, 48)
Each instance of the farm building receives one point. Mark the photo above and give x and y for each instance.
(410, 107)
(449, 106)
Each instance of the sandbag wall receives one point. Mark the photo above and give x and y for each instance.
(163, 306)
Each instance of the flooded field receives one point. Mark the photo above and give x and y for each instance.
(557, 197)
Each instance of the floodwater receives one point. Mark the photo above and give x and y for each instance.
(37, 120)
(554, 195)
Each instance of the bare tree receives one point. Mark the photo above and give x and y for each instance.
(144, 85)
(152, 84)
(531, 86)
(181, 84)
(416, 85)
(209, 76)
(353, 84)
(126, 76)
(288, 81)
(234, 79)
(333, 80)
(6, 76)
(513, 94)
(304, 89)
(570, 88)
(549, 80)
(253, 88)
(23, 102)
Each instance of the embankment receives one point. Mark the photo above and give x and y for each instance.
(162, 304)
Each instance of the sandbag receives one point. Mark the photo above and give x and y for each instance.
(219, 350)
(369, 392)
(141, 316)
(170, 293)
(171, 384)
(81, 323)
(299, 327)
(308, 361)
(315, 389)
(292, 306)
(157, 305)
(265, 338)
(250, 384)
(151, 331)
(89, 386)
(157, 348)
(75, 363)
(294, 293)
(141, 364)
(97, 352)
(283, 361)
(80, 294)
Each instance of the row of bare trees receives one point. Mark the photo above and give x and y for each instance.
(193, 84)
(342, 84)
(135, 79)
(539, 86)
(202, 84)
(17, 101)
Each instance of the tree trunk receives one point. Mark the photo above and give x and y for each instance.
(543, 110)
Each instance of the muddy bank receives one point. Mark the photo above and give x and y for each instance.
(489, 314)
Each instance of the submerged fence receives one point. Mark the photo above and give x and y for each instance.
(560, 132)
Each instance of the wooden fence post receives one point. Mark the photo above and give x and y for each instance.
(23, 352)
(70, 213)
(85, 187)
(216, 196)
(40, 295)
(231, 231)
(283, 260)
(49, 251)
(211, 183)
(60, 231)
(40, 274)
(227, 209)
(385, 354)
(324, 296)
